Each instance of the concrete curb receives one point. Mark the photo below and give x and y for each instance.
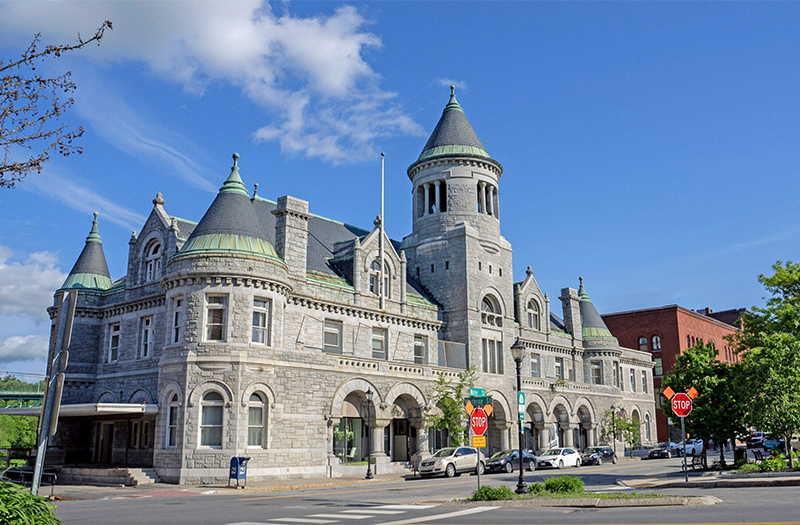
(590, 502)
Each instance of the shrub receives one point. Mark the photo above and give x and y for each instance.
(774, 463)
(19, 507)
(749, 467)
(537, 489)
(564, 484)
(487, 493)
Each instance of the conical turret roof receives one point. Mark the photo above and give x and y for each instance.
(453, 135)
(230, 224)
(90, 270)
(592, 323)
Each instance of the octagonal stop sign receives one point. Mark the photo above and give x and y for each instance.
(681, 405)
(478, 421)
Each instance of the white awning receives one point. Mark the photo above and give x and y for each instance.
(88, 409)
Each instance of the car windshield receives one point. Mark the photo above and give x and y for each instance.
(552, 452)
(502, 454)
(443, 453)
(593, 450)
(663, 445)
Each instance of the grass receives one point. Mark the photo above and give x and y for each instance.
(561, 487)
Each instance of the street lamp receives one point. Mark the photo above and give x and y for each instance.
(614, 426)
(369, 437)
(518, 352)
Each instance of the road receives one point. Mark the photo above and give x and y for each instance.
(419, 501)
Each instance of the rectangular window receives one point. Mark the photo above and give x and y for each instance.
(492, 356)
(145, 434)
(373, 284)
(536, 365)
(659, 369)
(379, 343)
(134, 441)
(261, 321)
(617, 375)
(332, 337)
(177, 320)
(570, 371)
(633, 380)
(559, 368)
(172, 425)
(255, 425)
(216, 317)
(597, 372)
(420, 350)
(644, 381)
(147, 337)
(113, 345)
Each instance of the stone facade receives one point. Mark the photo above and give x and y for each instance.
(233, 348)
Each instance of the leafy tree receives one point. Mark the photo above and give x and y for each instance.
(719, 410)
(614, 426)
(771, 338)
(18, 431)
(29, 107)
(448, 397)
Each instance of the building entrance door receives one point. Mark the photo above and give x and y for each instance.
(105, 442)
(400, 432)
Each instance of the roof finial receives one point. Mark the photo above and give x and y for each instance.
(235, 159)
(159, 200)
(581, 280)
(234, 183)
(452, 90)
(453, 103)
(94, 235)
(255, 190)
(529, 271)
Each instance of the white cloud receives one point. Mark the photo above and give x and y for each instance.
(26, 287)
(23, 348)
(308, 72)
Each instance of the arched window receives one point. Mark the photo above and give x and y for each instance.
(256, 421)
(656, 343)
(172, 421)
(153, 263)
(490, 312)
(211, 420)
(533, 315)
(374, 278)
(643, 344)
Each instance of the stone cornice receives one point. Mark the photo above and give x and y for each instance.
(636, 362)
(176, 281)
(133, 306)
(363, 313)
(489, 165)
(542, 347)
(278, 212)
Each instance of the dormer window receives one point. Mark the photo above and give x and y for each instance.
(490, 312)
(533, 315)
(374, 279)
(153, 263)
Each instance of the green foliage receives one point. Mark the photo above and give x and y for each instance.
(19, 507)
(11, 384)
(537, 489)
(487, 493)
(448, 396)
(745, 466)
(616, 427)
(17, 431)
(772, 464)
(564, 484)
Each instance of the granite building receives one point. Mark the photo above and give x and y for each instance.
(262, 331)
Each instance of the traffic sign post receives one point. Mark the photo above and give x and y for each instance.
(478, 421)
(521, 405)
(682, 406)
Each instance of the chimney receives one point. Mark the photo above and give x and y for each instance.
(291, 234)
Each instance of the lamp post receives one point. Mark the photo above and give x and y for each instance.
(614, 426)
(369, 432)
(518, 352)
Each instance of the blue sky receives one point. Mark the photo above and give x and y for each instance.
(651, 148)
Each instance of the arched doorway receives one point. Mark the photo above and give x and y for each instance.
(534, 416)
(562, 417)
(400, 437)
(585, 417)
(350, 434)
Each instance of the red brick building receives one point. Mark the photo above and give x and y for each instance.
(667, 331)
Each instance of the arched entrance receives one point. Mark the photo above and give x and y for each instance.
(583, 439)
(534, 420)
(400, 436)
(562, 417)
(350, 434)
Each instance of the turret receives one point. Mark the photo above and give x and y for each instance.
(90, 270)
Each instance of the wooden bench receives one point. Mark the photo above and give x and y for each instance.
(758, 456)
(695, 464)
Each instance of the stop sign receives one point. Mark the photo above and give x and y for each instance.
(681, 405)
(478, 421)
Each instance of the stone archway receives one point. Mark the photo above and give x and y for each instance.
(585, 429)
(535, 434)
(563, 432)
(402, 422)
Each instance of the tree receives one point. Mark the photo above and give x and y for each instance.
(615, 425)
(771, 338)
(718, 411)
(30, 108)
(448, 397)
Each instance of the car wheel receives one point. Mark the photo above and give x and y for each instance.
(481, 468)
(669, 454)
(577, 463)
(614, 461)
(531, 466)
(599, 461)
(450, 470)
(560, 463)
(509, 467)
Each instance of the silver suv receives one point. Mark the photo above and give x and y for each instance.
(452, 461)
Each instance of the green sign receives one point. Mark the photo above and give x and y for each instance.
(477, 392)
(479, 401)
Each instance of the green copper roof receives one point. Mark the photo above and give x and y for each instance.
(592, 324)
(90, 270)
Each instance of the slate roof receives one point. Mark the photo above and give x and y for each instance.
(591, 322)
(90, 270)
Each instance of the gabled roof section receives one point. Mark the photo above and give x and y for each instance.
(591, 322)
(230, 224)
(453, 135)
(90, 270)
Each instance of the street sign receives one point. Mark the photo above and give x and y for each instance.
(485, 402)
(477, 392)
(681, 405)
(478, 421)
(479, 441)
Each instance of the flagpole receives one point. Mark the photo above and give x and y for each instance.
(383, 267)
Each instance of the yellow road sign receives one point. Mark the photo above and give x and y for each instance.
(479, 441)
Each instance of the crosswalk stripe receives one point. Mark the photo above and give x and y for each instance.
(372, 511)
(343, 516)
(425, 519)
(304, 520)
(405, 507)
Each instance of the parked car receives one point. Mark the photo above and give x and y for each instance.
(756, 439)
(772, 443)
(598, 455)
(694, 447)
(452, 461)
(558, 457)
(662, 450)
(508, 460)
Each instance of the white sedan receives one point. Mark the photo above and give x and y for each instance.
(558, 457)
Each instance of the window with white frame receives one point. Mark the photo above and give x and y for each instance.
(262, 309)
(490, 312)
(256, 421)
(644, 381)
(113, 343)
(533, 314)
(643, 344)
(647, 435)
(633, 380)
(177, 319)
(379, 338)
(146, 347)
(140, 434)
(216, 317)
(153, 263)
(597, 372)
(420, 350)
(374, 278)
(492, 356)
(172, 421)
(656, 343)
(559, 368)
(211, 420)
(536, 365)
(332, 337)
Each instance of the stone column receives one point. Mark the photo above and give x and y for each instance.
(490, 200)
(505, 438)
(437, 195)
(482, 193)
(543, 434)
(496, 203)
(403, 276)
(589, 427)
(427, 198)
(567, 428)
(332, 424)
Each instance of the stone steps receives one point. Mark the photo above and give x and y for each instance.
(107, 476)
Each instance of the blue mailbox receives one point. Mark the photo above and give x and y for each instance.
(238, 471)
